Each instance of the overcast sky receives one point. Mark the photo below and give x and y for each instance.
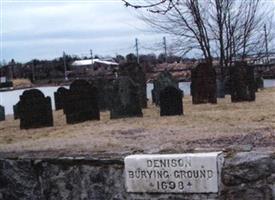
(44, 29)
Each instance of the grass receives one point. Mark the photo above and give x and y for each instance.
(204, 125)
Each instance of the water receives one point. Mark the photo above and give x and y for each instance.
(10, 98)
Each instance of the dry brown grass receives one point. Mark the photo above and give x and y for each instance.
(21, 83)
(205, 125)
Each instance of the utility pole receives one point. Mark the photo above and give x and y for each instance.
(137, 50)
(65, 66)
(91, 52)
(266, 45)
(33, 71)
(165, 48)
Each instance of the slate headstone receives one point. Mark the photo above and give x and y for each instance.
(2, 113)
(171, 101)
(203, 84)
(35, 110)
(259, 82)
(163, 80)
(104, 88)
(60, 97)
(15, 111)
(220, 88)
(125, 99)
(82, 103)
(137, 74)
(242, 82)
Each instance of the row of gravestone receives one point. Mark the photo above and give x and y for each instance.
(205, 88)
(81, 103)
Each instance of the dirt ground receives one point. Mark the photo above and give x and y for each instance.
(224, 125)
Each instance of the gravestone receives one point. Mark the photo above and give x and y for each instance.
(137, 74)
(60, 97)
(15, 111)
(81, 103)
(35, 110)
(2, 113)
(125, 99)
(104, 88)
(163, 80)
(259, 82)
(203, 84)
(220, 88)
(242, 82)
(171, 101)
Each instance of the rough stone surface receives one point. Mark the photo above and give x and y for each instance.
(259, 82)
(242, 82)
(104, 179)
(220, 88)
(81, 103)
(174, 173)
(15, 111)
(203, 84)
(2, 113)
(125, 99)
(137, 74)
(35, 110)
(171, 101)
(163, 80)
(60, 97)
(104, 88)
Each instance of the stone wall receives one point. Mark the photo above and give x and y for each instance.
(245, 175)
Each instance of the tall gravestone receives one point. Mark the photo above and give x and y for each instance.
(242, 82)
(104, 87)
(15, 111)
(137, 74)
(220, 88)
(125, 99)
(259, 82)
(81, 103)
(2, 113)
(171, 101)
(35, 110)
(163, 80)
(60, 97)
(203, 84)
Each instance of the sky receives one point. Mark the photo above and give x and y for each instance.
(43, 29)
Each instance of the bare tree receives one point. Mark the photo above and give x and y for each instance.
(227, 29)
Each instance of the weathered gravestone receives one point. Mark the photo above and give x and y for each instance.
(220, 88)
(81, 103)
(35, 110)
(104, 89)
(203, 84)
(15, 111)
(2, 113)
(60, 97)
(163, 80)
(171, 101)
(242, 82)
(125, 99)
(137, 74)
(259, 82)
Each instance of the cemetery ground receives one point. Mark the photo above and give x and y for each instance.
(224, 125)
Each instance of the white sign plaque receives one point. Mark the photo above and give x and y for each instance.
(173, 173)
